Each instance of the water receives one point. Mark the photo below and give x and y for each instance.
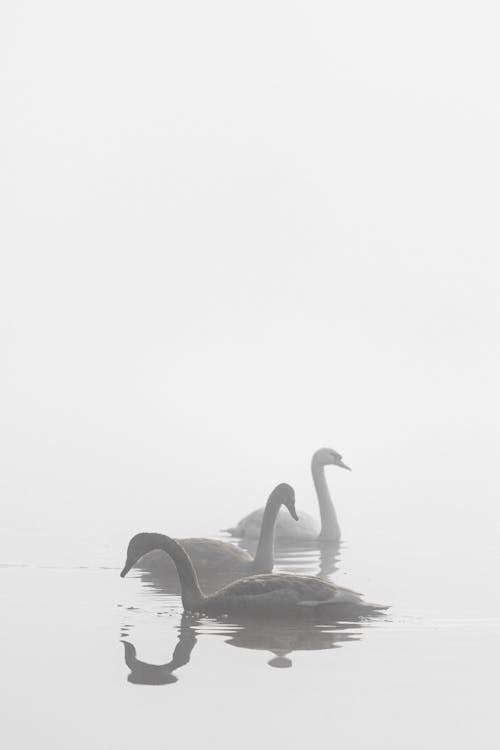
(91, 660)
(235, 232)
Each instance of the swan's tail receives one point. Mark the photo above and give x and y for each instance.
(372, 605)
(347, 596)
(344, 598)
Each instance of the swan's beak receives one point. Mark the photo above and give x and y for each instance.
(293, 514)
(126, 569)
(343, 465)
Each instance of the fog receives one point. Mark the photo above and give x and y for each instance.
(234, 234)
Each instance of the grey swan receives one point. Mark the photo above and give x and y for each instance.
(307, 528)
(272, 594)
(211, 556)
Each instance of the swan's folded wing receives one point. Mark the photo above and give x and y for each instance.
(279, 593)
(268, 602)
(345, 598)
(294, 586)
(340, 596)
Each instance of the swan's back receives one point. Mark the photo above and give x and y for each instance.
(282, 593)
(298, 585)
(205, 554)
(214, 552)
(286, 528)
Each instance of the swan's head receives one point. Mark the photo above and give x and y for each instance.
(140, 545)
(325, 456)
(286, 495)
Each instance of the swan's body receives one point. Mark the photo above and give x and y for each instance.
(260, 595)
(207, 555)
(280, 594)
(307, 528)
(211, 556)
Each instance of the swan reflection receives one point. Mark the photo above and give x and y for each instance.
(282, 638)
(279, 638)
(143, 673)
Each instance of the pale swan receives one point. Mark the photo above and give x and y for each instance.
(307, 528)
(212, 555)
(262, 595)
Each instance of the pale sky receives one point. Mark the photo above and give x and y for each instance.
(233, 233)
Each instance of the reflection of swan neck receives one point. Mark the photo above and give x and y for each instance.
(186, 643)
(330, 528)
(143, 673)
(264, 557)
(192, 596)
(130, 655)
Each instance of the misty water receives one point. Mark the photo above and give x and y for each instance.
(233, 233)
(91, 660)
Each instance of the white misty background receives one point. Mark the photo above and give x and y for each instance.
(234, 233)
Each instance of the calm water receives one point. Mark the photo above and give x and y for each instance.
(94, 661)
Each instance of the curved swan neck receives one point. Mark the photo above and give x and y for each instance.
(264, 557)
(192, 596)
(330, 528)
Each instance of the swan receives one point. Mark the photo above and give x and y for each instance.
(261, 595)
(213, 555)
(307, 528)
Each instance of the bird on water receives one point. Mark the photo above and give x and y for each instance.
(278, 594)
(307, 528)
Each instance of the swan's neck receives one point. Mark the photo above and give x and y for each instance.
(192, 596)
(264, 557)
(330, 528)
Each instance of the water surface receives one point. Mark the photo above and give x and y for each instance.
(91, 660)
